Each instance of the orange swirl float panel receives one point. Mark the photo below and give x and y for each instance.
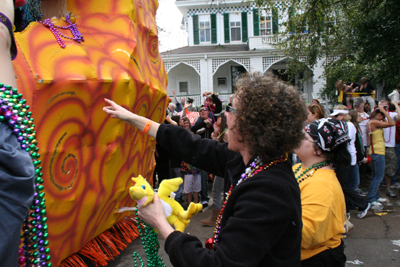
(87, 157)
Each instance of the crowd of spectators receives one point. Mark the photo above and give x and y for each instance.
(374, 145)
(337, 147)
(274, 213)
(210, 123)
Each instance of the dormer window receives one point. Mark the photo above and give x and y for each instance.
(205, 29)
(266, 22)
(235, 25)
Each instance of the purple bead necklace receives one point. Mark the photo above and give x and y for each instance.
(77, 36)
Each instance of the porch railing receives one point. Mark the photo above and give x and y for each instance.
(273, 39)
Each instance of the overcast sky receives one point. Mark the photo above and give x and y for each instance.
(169, 19)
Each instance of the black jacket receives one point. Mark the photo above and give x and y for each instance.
(261, 224)
(201, 124)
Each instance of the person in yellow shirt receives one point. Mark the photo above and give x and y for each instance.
(322, 199)
(376, 150)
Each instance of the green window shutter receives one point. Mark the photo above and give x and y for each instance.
(275, 21)
(245, 36)
(256, 22)
(226, 28)
(196, 38)
(213, 28)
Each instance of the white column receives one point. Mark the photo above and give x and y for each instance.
(256, 63)
(204, 75)
(210, 76)
(319, 78)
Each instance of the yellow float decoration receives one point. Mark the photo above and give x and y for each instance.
(87, 157)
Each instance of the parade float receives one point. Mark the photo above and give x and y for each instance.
(79, 53)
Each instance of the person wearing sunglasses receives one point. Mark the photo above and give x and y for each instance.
(261, 216)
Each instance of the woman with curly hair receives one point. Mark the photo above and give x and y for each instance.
(261, 217)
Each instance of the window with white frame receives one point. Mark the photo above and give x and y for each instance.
(235, 25)
(183, 87)
(265, 23)
(205, 29)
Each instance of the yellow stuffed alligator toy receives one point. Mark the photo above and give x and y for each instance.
(143, 193)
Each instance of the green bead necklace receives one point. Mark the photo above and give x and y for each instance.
(150, 245)
(35, 249)
(300, 177)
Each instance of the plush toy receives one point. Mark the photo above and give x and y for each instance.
(143, 193)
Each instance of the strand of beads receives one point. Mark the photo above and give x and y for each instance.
(54, 31)
(136, 257)
(71, 20)
(255, 167)
(309, 171)
(14, 112)
(150, 244)
(77, 36)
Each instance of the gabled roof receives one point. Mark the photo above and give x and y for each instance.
(206, 49)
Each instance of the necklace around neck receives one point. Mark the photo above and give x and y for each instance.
(255, 167)
(300, 177)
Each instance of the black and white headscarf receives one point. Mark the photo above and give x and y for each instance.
(328, 133)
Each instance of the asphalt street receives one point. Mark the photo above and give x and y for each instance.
(374, 241)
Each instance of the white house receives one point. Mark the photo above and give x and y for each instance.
(225, 39)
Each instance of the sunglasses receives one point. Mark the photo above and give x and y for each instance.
(230, 109)
(203, 109)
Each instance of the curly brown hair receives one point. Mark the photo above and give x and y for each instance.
(270, 115)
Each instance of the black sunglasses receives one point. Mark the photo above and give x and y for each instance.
(203, 109)
(230, 109)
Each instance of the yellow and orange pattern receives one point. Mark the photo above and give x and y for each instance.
(87, 157)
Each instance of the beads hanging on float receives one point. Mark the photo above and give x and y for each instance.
(71, 20)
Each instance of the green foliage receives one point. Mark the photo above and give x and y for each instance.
(362, 36)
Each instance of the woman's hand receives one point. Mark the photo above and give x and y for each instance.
(187, 105)
(154, 215)
(214, 136)
(118, 112)
(382, 110)
(143, 124)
